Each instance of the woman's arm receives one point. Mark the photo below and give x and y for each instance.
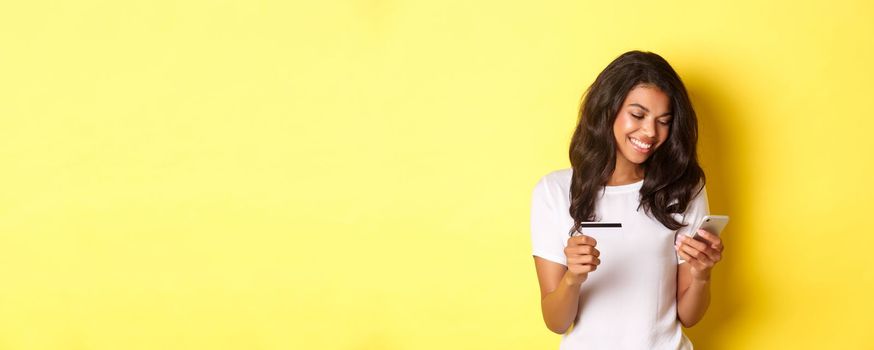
(693, 297)
(560, 284)
(693, 276)
(559, 295)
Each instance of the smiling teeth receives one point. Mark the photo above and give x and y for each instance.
(640, 144)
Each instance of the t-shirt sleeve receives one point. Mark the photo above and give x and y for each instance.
(547, 240)
(698, 208)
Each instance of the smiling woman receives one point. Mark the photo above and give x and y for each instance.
(637, 130)
(634, 163)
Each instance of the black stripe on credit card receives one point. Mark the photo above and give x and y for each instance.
(600, 224)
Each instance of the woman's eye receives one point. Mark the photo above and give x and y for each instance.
(636, 116)
(665, 122)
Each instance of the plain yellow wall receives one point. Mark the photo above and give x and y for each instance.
(357, 174)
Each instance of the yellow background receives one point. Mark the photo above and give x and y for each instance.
(357, 174)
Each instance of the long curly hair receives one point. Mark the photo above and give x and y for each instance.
(672, 175)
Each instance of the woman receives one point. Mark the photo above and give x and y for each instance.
(633, 165)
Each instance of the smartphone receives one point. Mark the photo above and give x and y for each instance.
(711, 223)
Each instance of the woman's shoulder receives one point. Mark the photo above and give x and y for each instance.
(556, 182)
(557, 177)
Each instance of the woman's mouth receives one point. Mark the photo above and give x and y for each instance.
(640, 146)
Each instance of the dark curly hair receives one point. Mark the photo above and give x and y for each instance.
(672, 176)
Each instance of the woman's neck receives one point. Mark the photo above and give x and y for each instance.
(625, 173)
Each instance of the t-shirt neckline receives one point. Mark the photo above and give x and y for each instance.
(624, 188)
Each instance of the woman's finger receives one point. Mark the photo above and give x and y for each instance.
(584, 260)
(691, 260)
(714, 241)
(697, 254)
(685, 256)
(589, 250)
(714, 254)
(695, 263)
(583, 240)
(697, 244)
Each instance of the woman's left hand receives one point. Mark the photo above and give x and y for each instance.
(701, 255)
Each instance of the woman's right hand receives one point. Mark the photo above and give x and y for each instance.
(582, 258)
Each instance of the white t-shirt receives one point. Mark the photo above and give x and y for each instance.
(630, 301)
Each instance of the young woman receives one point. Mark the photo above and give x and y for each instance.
(633, 165)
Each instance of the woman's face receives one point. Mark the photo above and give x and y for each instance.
(642, 124)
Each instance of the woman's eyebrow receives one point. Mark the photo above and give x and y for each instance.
(639, 106)
(647, 110)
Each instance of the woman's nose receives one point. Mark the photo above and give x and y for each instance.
(648, 128)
